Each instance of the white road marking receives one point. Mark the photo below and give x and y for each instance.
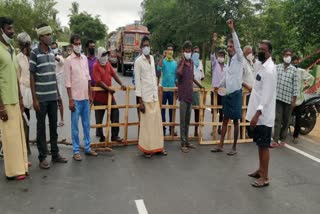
(303, 153)
(141, 207)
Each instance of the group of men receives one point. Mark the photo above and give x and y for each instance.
(38, 72)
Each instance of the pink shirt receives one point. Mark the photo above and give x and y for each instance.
(77, 76)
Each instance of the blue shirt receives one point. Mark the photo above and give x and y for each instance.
(169, 73)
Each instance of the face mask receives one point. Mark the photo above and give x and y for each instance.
(187, 55)
(261, 56)
(47, 40)
(91, 51)
(103, 60)
(169, 55)
(287, 59)
(77, 49)
(146, 51)
(55, 51)
(6, 38)
(195, 59)
(250, 57)
(221, 59)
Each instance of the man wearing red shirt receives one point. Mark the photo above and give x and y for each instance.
(102, 75)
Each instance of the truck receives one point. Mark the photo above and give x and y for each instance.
(128, 40)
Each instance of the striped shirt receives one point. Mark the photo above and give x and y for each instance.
(43, 66)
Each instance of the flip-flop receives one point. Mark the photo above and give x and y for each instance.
(164, 153)
(260, 184)
(61, 123)
(232, 153)
(216, 150)
(184, 149)
(146, 155)
(255, 175)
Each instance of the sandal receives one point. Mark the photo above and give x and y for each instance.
(61, 123)
(184, 149)
(164, 153)
(255, 175)
(117, 139)
(77, 157)
(191, 146)
(147, 155)
(17, 178)
(216, 150)
(260, 184)
(232, 153)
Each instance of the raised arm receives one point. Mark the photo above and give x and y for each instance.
(235, 39)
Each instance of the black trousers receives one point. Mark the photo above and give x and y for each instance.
(297, 126)
(99, 114)
(49, 108)
(26, 129)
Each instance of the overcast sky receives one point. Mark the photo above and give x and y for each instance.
(113, 13)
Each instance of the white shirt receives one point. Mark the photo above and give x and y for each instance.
(248, 77)
(198, 73)
(23, 63)
(233, 74)
(146, 79)
(263, 95)
(59, 66)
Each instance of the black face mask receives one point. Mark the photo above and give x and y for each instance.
(261, 56)
(91, 51)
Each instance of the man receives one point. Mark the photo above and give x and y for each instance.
(218, 72)
(198, 74)
(186, 79)
(77, 82)
(168, 67)
(150, 134)
(248, 75)
(91, 56)
(248, 78)
(261, 111)
(45, 95)
(24, 41)
(232, 102)
(102, 75)
(287, 91)
(11, 107)
(306, 81)
(59, 72)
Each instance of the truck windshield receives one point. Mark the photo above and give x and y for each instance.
(129, 39)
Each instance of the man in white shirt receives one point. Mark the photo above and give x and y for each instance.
(261, 111)
(232, 102)
(59, 72)
(199, 76)
(151, 139)
(248, 75)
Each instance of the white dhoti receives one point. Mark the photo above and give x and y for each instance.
(13, 143)
(151, 131)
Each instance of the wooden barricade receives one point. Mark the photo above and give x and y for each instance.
(204, 110)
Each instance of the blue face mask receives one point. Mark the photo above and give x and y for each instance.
(195, 59)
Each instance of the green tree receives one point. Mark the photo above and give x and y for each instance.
(74, 10)
(88, 27)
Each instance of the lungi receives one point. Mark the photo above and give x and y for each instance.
(151, 133)
(13, 143)
(232, 105)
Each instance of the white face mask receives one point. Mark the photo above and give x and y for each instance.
(103, 60)
(221, 59)
(77, 49)
(287, 59)
(250, 57)
(187, 55)
(146, 51)
(6, 38)
(55, 51)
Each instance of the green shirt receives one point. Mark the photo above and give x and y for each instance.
(8, 75)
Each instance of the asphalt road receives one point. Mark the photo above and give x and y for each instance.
(195, 183)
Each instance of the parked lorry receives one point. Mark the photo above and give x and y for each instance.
(128, 40)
